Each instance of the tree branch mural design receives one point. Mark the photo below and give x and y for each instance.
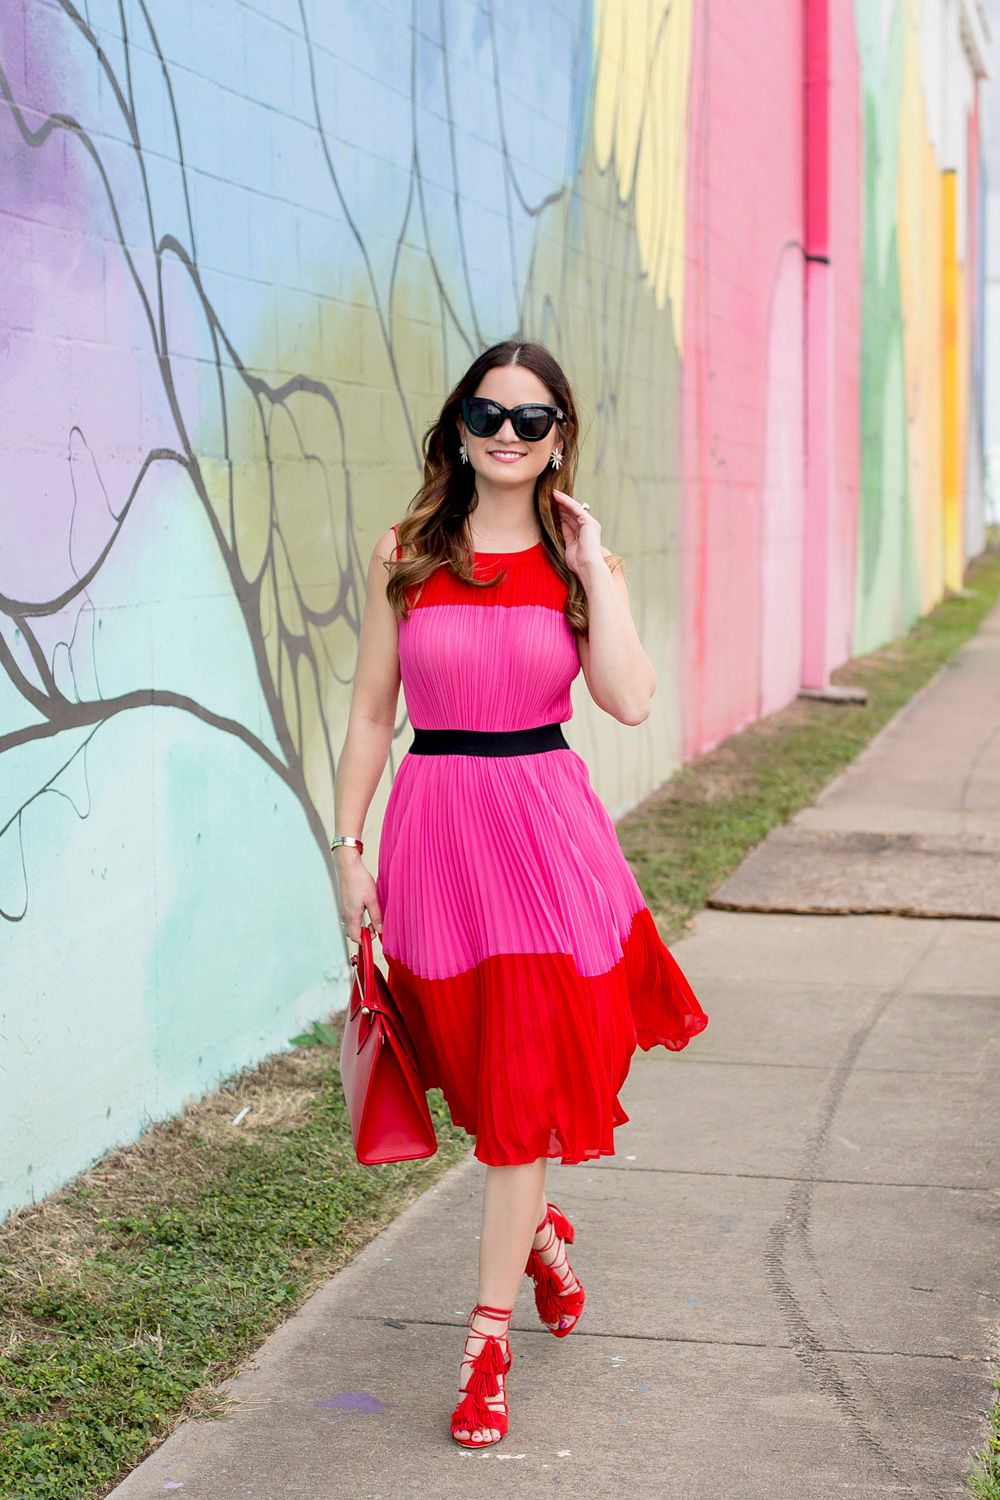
(298, 584)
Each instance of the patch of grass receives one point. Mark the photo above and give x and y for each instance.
(686, 838)
(127, 1295)
(984, 1481)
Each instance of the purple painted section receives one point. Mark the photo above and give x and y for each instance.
(78, 376)
(353, 1401)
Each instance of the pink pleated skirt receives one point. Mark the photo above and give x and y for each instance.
(521, 952)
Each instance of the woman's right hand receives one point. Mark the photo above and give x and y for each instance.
(357, 893)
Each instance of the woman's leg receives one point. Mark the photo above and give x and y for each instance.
(513, 1207)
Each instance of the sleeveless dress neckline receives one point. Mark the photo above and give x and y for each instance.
(524, 552)
(520, 949)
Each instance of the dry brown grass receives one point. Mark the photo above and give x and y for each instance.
(168, 1163)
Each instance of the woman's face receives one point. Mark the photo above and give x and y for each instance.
(504, 458)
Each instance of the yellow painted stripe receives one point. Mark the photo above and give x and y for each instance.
(951, 464)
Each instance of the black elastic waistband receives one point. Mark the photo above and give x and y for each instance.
(488, 741)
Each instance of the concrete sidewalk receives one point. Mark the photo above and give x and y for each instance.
(791, 1266)
(913, 827)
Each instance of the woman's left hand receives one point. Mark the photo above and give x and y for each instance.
(581, 534)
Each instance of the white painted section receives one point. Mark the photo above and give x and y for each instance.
(932, 62)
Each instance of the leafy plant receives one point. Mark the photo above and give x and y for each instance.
(984, 1481)
(321, 1035)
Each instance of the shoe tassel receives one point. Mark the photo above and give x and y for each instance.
(473, 1410)
(552, 1307)
(563, 1228)
(487, 1365)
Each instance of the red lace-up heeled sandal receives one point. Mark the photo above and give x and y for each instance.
(483, 1406)
(559, 1295)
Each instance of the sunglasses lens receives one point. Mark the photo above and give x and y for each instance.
(483, 418)
(532, 423)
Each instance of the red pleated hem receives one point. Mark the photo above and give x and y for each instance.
(530, 1054)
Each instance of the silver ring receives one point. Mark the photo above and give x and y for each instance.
(585, 506)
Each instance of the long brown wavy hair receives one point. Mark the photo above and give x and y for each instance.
(435, 528)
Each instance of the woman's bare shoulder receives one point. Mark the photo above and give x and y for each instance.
(386, 546)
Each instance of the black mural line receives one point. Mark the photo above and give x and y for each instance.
(49, 789)
(58, 712)
(453, 152)
(87, 604)
(532, 210)
(355, 231)
(448, 312)
(279, 649)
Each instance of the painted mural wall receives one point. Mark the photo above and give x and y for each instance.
(991, 283)
(246, 249)
(922, 404)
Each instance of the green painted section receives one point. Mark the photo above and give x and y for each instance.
(887, 596)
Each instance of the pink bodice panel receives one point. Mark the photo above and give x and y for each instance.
(466, 666)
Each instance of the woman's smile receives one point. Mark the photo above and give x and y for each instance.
(505, 455)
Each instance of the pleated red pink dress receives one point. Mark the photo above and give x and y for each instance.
(519, 948)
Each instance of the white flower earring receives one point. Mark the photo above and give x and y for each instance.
(555, 458)
(463, 454)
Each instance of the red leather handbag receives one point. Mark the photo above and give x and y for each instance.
(386, 1102)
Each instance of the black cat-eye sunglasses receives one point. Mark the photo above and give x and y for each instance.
(531, 423)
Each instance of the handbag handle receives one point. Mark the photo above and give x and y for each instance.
(372, 1001)
(365, 971)
(365, 959)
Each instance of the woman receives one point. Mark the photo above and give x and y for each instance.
(523, 958)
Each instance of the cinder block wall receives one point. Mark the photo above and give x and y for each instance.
(246, 249)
